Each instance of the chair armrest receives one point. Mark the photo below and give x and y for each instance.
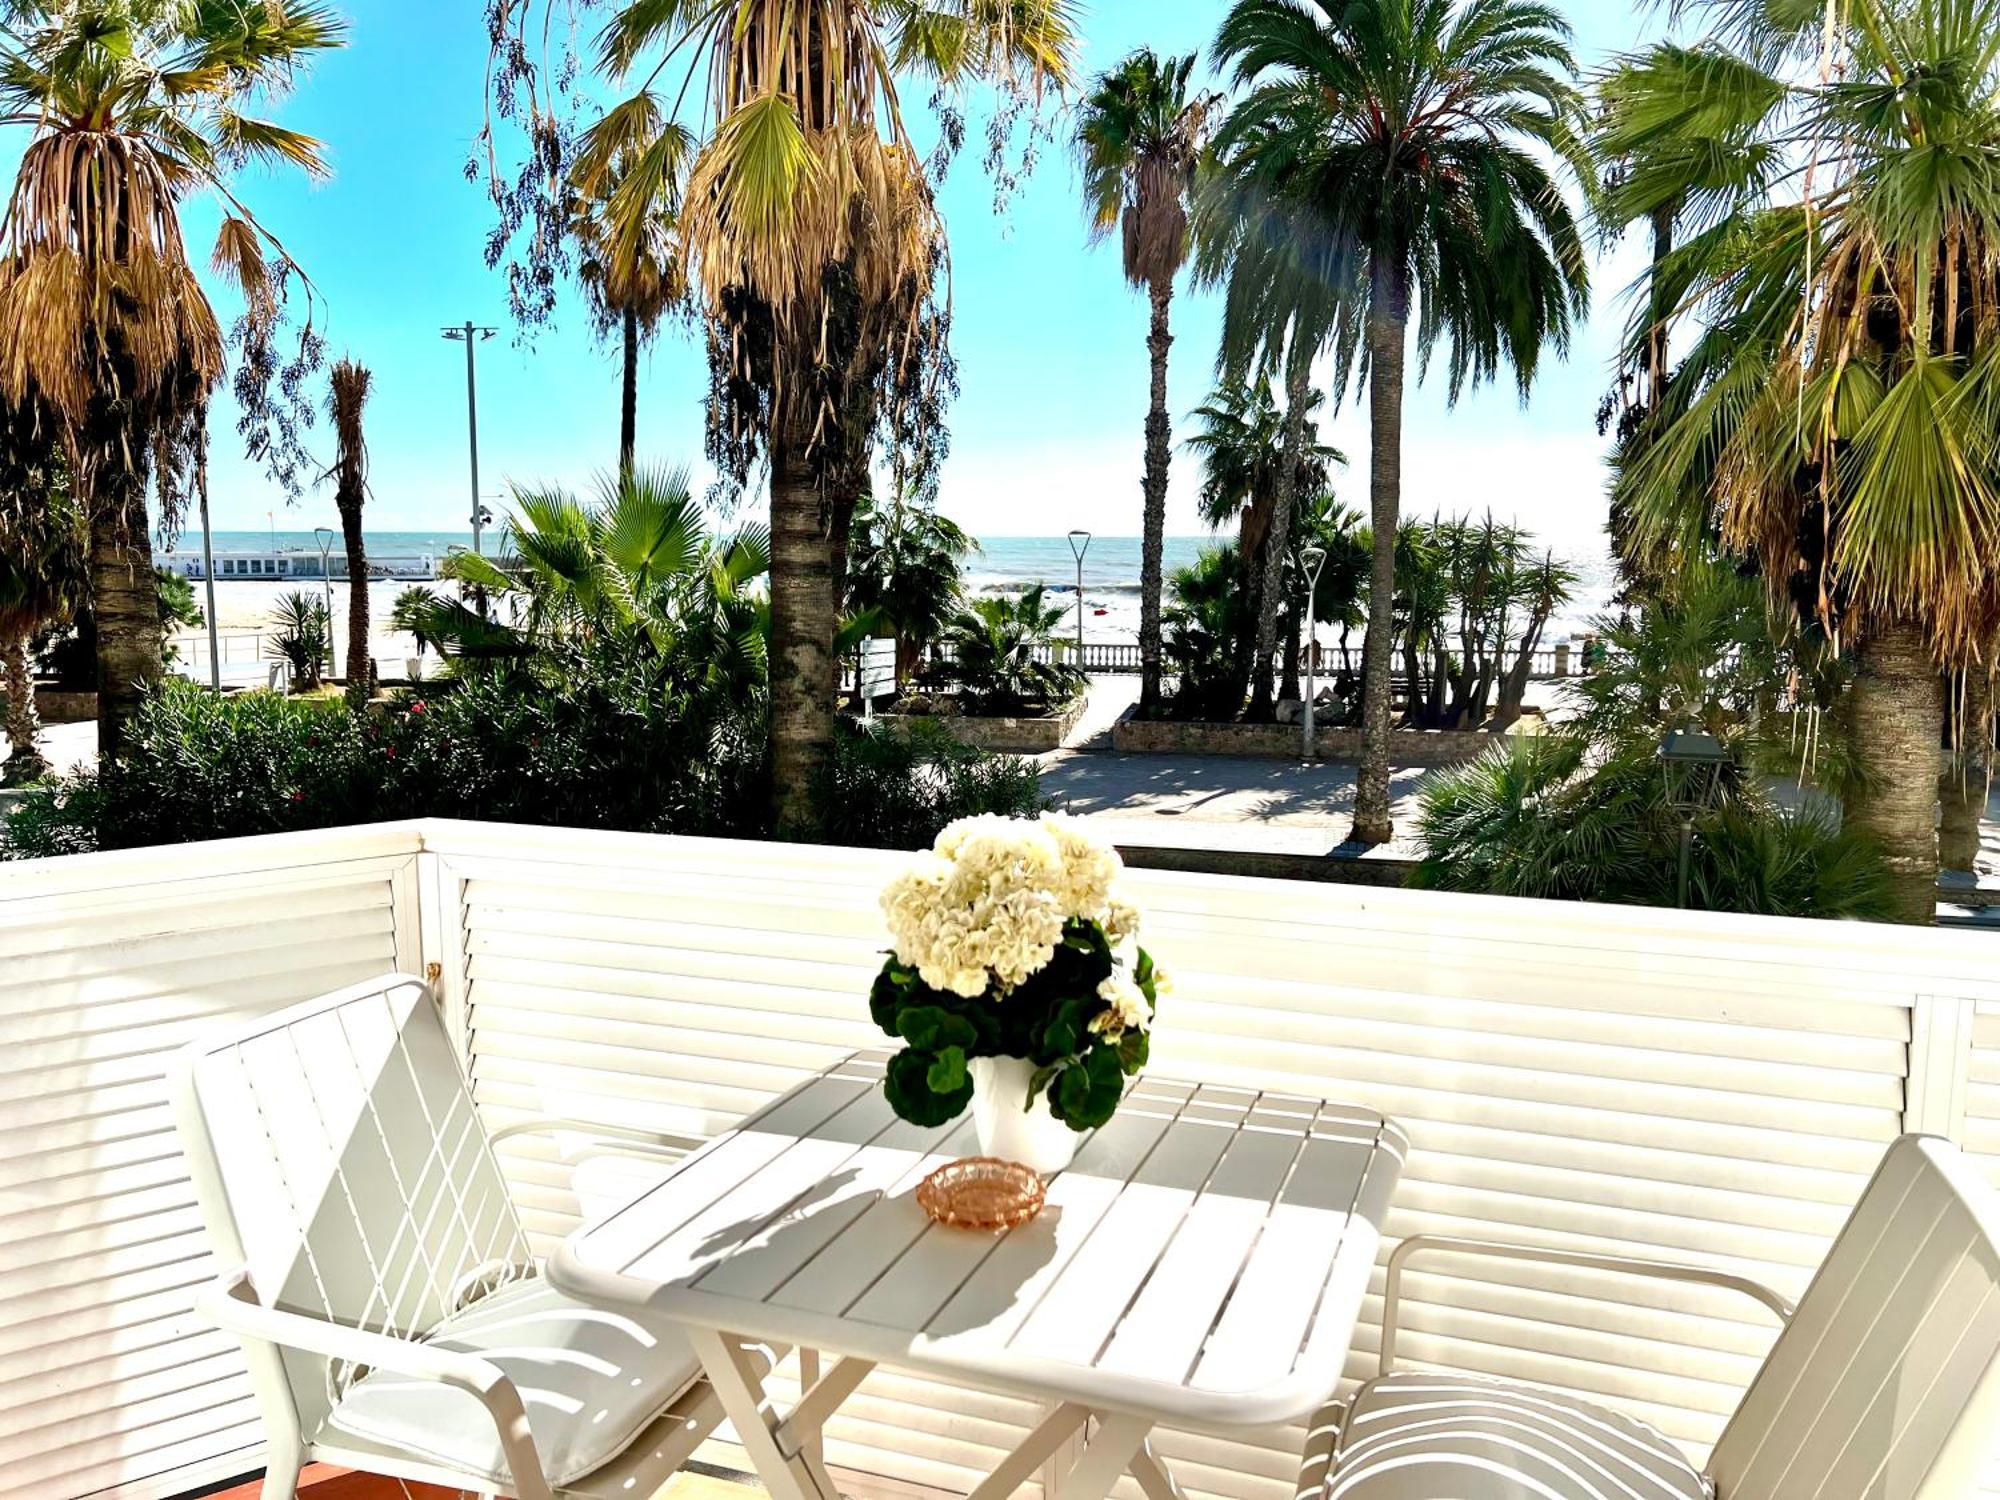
(231, 1302)
(1658, 1270)
(628, 1134)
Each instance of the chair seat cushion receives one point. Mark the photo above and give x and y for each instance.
(591, 1381)
(1453, 1437)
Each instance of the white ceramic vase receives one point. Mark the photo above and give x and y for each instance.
(1008, 1127)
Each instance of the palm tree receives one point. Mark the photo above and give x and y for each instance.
(1001, 655)
(349, 399)
(1402, 145)
(638, 569)
(625, 216)
(1245, 444)
(816, 255)
(42, 577)
(1834, 416)
(1139, 137)
(133, 105)
(906, 571)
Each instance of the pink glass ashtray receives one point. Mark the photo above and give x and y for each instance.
(982, 1192)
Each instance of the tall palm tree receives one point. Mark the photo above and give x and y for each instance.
(1139, 137)
(1834, 416)
(132, 106)
(1244, 442)
(347, 403)
(627, 183)
(1407, 142)
(816, 255)
(42, 578)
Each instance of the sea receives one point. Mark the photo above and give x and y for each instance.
(1001, 565)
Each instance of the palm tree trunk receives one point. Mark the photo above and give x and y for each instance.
(125, 602)
(1662, 315)
(1897, 704)
(1298, 392)
(1252, 531)
(360, 667)
(802, 631)
(1294, 622)
(23, 724)
(1159, 455)
(628, 423)
(1388, 339)
(1968, 783)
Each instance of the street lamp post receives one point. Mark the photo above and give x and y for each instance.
(1079, 543)
(472, 335)
(1691, 763)
(325, 535)
(208, 587)
(1314, 559)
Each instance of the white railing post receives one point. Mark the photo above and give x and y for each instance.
(1940, 1066)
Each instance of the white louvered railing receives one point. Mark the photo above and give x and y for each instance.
(108, 964)
(1643, 1082)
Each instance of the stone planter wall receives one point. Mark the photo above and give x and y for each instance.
(1422, 748)
(1006, 736)
(61, 708)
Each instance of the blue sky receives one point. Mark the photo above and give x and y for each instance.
(1050, 341)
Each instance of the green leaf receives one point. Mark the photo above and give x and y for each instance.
(935, 1028)
(910, 1095)
(1042, 1078)
(1088, 1094)
(886, 997)
(947, 1075)
(1134, 1049)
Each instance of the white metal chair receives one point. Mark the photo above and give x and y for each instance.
(380, 1279)
(1883, 1385)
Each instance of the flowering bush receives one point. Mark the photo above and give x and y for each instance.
(1011, 940)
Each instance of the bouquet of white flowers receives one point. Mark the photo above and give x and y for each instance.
(1011, 940)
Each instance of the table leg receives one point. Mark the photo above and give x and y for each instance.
(1037, 1448)
(784, 1455)
(1107, 1455)
(1155, 1478)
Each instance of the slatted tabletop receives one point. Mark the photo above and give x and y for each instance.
(1203, 1260)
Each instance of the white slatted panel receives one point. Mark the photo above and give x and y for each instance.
(109, 1382)
(1982, 1132)
(1982, 1105)
(1637, 1082)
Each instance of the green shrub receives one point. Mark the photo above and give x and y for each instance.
(897, 788)
(203, 767)
(594, 744)
(1538, 817)
(996, 648)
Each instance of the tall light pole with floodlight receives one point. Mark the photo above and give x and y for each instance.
(472, 335)
(1079, 543)
(1314, 559)
(325, 535)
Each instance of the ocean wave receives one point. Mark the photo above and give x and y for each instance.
(1021, 585)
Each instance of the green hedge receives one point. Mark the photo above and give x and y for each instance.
(599, 750)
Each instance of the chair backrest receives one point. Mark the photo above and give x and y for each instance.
(336, 1153)
(1886, 1384)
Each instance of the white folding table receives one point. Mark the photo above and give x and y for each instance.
(1201, 1263)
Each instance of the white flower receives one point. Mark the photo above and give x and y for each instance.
(1128, 1010)
(986, 908)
